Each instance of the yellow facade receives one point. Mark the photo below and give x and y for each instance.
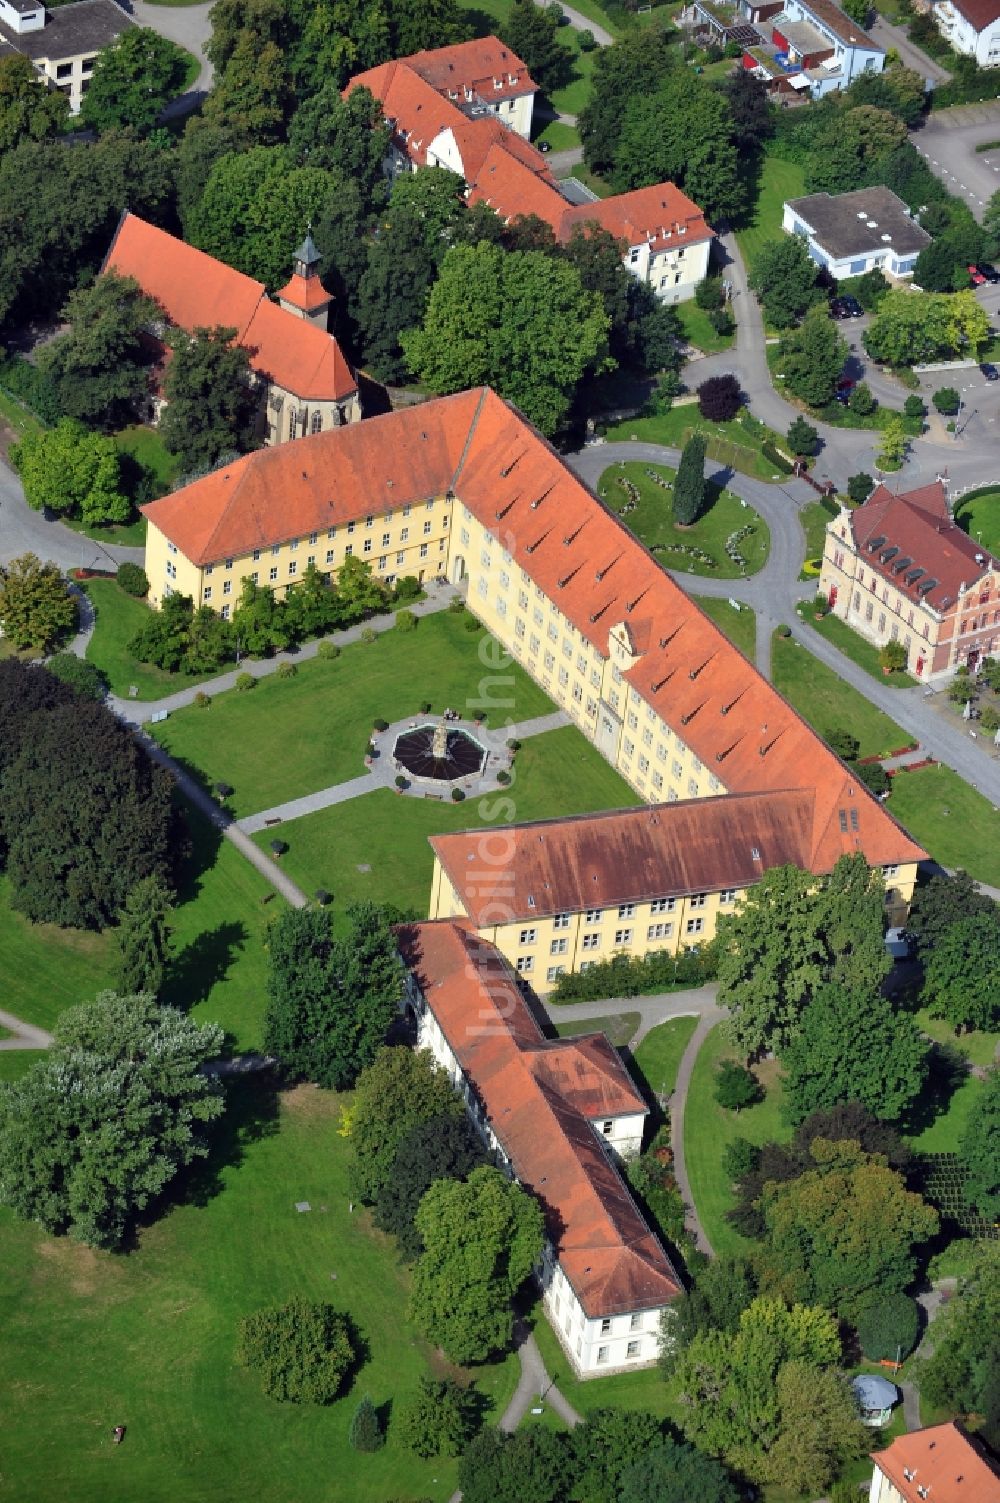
(408, 540)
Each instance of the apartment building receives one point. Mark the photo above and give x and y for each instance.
(562, 895)
(63, 46)
(305, 382)
(899, 568)
(807, 47)
(558, 1115)
(972, 27)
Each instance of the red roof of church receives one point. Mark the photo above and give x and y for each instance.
(479, 448)
(540, 1099)
(307, 293)
(196, 291)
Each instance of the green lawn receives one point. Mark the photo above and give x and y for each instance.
(944, 1133)
(46, 969)
(829, 704)
(118, 618)
(619, 1027)
(950, 819)
(90, 1340)
(572, 97)
(14, 1062)
(728, 443)
(698, 330)
(652, 522)
(17, 416)
(815, 519)
(854, 647)
(294, 736)
(140, 446)
(779, 180)
(978, 1047)
(558, 136)
(645, 1389)
(659, 1054)
(739, 626)
(376, 846)
(708, 1129)
(979, 515)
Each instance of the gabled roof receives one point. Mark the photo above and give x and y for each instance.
(839, 24)
(661, 216)
(478, 448)
(417, 113)
(513, 190)
(939, 1465)
(912, 540)
(632, 855)
(197, 291)
(978, 13)
(538, 1098)
(475, 65)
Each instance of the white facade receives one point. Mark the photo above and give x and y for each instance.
(594, 1346)
(674, 271)
(884, 258)
(853, 52)
(982, 44)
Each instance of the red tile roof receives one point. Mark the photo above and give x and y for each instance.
(539, 1098)
(417, 112)
(474, 65)
(911, 540)
(513, 190)
(197, 291)
(979, 13)
(479, 448)
(304, 292)
(939, 1465)
(662, 216)
(631, 855)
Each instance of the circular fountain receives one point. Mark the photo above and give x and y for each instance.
(440, 752)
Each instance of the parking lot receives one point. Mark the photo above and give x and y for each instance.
(948, 144)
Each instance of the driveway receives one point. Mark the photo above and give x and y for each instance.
(948, 141)
(25, 531)
(189, 26)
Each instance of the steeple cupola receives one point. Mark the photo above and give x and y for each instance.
(304, 294)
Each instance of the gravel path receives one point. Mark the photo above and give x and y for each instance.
(25, 1035)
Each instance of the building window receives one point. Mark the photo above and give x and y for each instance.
(329, 555)
(367, 546)
(632, 1350)
(727, 895)
(697, 900)
(525, 963)
(385, 540)
(225, 613)
(627, 910)
(272, 574)
(292, 567)
(590, 942)
(602, 1353)
(592, 916)
(623, 936)
(404, 535)
(558, 947)
(659, 931)
(208, 593)
(423, 550)
(662, 905)
(561, 921)
(427, 527)
(554, 972)
(608, 1128)
(605, 1328)
(227, 587)
(528, 936)
(694, 926)
(635, 1324)
(256, 554)
(316, 423)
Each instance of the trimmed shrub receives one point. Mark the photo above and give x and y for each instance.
(302, 1351)
(400, 781)
(408, 588)
(223, 790)
(471, 624)
(380, 725)
(456, 605)
(708, 294)
(279, 847)
(892, 656)
(874, 777)
(772, 456)
(740, 1158)
(914, 406)
(84, 677)
(425, 708)
(513, 744)
(802, 437)
(846, 745)
(202, 700)
(323, 897)
(947, 400)
(406, 621)
(860, 487)
(245, 682)
(368, 636)
(286, 670)
(720, 398)
(736, 1087)
(133, 580)
(327, 651)
(503, 778)
(457, 796)
(889, 1329)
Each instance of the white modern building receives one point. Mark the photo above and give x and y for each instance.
(558, 1115)
(851, 233)
(63, 46)
(972, 27)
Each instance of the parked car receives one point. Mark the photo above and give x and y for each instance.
(990, 371)
(989, 272)
(846, 307)
(976, 277)
(844, 388)
(544, 146)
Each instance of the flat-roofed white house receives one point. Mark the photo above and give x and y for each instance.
(558, 1115)
(62, 46)
(972, 27)
(851, 233)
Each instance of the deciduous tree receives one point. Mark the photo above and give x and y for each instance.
(961, 975)
(101, 367)
(532, 31)
(606, 1445)
(682, 133)
(330, 999)
(67, 469)
(36, 608)
(438, 1419)
(802, 437)
(346, 136)
(979, 1149)
(720, 398)
(812, 357)
(963, 1371)
(442, 1147)
(783, 275)
(27, 111)
(671, 1472)
(853, 1045)
(398, 1091)
(481, 1239)
(530, 1466)
(633, 67)
(302, 1351)
(211, 402)
(519, 321)
(97, 1130)
(910, 327)
(887, 1330)
(132, 80)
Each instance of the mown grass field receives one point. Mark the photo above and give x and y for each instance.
(653, 523)
(828, 703)
(739, 626)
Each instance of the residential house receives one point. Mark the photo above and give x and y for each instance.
(306, 383)
(803, 46)
(972, 27)
(899, 568)
(563, 895)
(482, 77)
(665, 238)
(941, 1464)
(463, 486)
(63, 46)
(557, 1115)
(870, 229)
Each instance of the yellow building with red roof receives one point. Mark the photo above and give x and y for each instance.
(306, 381)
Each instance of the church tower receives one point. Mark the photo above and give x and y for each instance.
(304, 294)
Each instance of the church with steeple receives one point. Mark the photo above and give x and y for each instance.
(305, 382)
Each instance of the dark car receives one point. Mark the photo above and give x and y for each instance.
(989, 272)
(846, 307)
(544, 146)
(844, 388)
(990, 371)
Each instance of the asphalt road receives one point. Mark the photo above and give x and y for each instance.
(948, 141)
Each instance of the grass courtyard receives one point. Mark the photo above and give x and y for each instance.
(652, 522)
(979, 516)
(376, 846)
(728, 444)
(739, 626)
(697, 329)
(117, 619)
(779, 180)
(659, 1055)
(854, 646)
(828, 703)
(293, 736)
(950, 819)
(90, 1340)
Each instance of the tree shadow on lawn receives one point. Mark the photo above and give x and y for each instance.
(949, 1069)
(202, 964)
